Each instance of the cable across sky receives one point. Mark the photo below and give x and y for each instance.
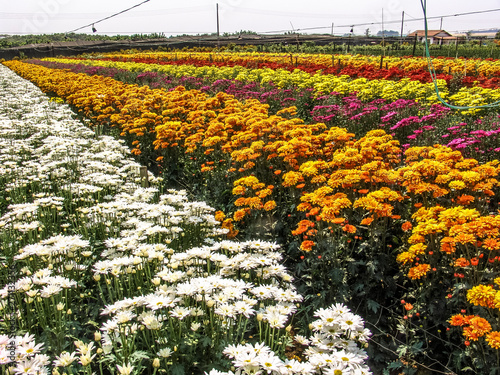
(107, 18)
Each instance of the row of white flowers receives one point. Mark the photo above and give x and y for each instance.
(112, 275)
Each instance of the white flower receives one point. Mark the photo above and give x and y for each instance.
(180, 312)
(270, 363)
(123, 317)
(28, 367)
(125, 369)
(164, 353)
(225, 309)
(156, 302)
(242, 307)
(29, 349)
(301, 339)
(65, 359)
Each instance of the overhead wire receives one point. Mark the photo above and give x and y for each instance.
(432, 71)
(106, 18)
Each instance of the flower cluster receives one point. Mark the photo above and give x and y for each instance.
(335, 348)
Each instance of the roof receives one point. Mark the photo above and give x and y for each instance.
(430, 33)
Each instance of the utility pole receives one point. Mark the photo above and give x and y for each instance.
(441, 24)
(332, 28)
(218, 36)
(402, 22)
(383, 31)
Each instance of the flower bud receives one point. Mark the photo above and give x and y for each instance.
(156, 362)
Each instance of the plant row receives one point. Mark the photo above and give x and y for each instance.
(352, 204)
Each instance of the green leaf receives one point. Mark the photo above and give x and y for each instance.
(177, 369)
(373, 305)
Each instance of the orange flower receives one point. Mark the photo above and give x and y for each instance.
(219, 216)
(461, 262)
(459, 320)
(418, 271)
(491, 244)
(465, 200)
(240, 214)
(270, 205)
(482, 295)
(366, 221)
(408, 306)
(493, 339)
(307, 245)
(448, 245)
(339, 220)
(406, 226)
(480, 326)
(349, 228)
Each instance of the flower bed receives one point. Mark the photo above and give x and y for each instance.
(341, 206)
(105, 274)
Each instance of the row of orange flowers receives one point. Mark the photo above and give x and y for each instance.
(343, 186)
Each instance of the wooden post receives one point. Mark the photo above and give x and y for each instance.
(414, 45)
(144, 177)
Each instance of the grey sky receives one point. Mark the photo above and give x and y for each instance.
(199, 16)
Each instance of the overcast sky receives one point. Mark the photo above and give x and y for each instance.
(199, 16)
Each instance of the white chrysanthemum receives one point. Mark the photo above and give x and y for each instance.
(65, 359)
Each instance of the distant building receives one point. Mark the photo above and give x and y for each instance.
(433, 36)
(475, 34)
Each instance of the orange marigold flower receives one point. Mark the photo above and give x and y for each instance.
(417, 249)
(493, 339)
(255, 202)
(349, 228)
(464, 238)
(307, 245)
(240, 214)
(418, 271)
(277, 172)
(219, 216)
(314, 211)
(480, 326)
(465, 200)
(461, 262)
(270, 205)
(416, 238)
(406, 226)
(448, 245)
(459, 320)
(239, 190)
(363, 191)
(491, 244)
(482, 295)
(305, 206)
(405, 257)
(340, 220)
(366, 221)
(408, 306)
(470, 334)
(240, 202)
